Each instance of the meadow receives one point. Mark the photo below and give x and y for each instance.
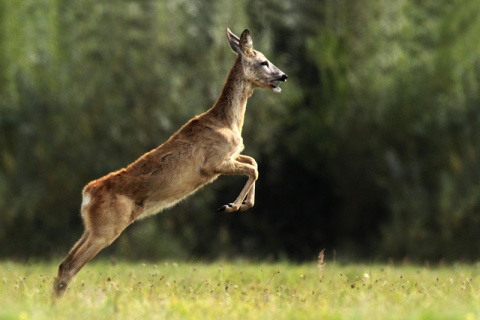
(242, 290)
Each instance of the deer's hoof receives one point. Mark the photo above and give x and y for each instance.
(59, 288)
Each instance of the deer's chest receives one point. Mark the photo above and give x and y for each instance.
(229, 144)
(235, 145)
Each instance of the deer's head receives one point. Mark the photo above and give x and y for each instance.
(257, 69)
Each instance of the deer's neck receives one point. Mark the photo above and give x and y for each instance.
(232, 103)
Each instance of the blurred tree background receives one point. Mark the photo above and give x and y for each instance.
(372, 149)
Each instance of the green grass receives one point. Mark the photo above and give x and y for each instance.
(241, 290)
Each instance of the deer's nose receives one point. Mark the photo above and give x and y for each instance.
(284, 77)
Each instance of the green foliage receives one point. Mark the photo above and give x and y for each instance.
(398, 125)
(371, 149)
(243, 290)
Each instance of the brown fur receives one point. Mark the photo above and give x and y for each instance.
(204, 148)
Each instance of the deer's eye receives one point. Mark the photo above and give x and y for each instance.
(264, 63)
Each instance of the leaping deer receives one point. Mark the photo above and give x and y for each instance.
(206, 147)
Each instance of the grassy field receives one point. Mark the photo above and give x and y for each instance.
(242, 290)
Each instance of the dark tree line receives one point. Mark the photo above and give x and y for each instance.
(372, 149)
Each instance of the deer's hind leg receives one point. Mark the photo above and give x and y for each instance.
(61, 281)
(88, 248)
(103, 226)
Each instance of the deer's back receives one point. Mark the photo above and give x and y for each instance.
(167, 174)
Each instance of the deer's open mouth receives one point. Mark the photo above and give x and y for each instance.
(275, 84)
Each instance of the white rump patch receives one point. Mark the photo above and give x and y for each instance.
(86, 199)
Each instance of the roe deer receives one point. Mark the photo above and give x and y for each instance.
(204, 148)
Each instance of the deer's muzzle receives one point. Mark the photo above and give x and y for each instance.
(275, 83)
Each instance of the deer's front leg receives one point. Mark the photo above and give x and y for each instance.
(249, 201)
(241, 165)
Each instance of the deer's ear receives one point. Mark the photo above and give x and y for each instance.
(242, 45)
(246, 43)
(234, 41)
